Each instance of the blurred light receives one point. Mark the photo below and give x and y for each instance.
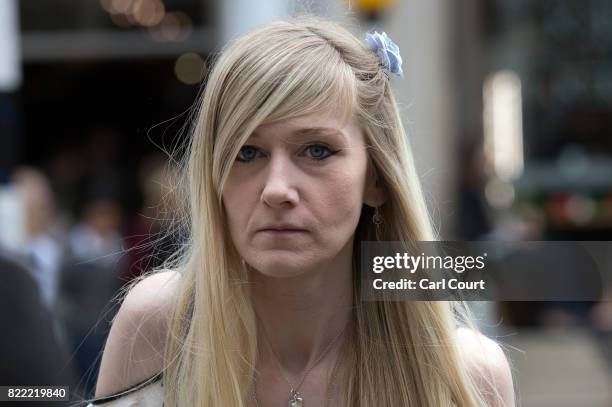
(10, 65)
(580, 209)
(168, 30)
(121, 6)
(372, 5)
(189, 68)
(503, 124)
(499, 194)
(148, 12)
(175, 26)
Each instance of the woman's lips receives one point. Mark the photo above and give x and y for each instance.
(279, 233)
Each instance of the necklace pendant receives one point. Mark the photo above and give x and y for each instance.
(296, 400)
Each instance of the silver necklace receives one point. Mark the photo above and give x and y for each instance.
(296, 399)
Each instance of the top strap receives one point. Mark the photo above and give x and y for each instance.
(129, 391)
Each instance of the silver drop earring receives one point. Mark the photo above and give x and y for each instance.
(377, 219)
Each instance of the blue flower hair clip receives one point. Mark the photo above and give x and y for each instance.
(386, 50)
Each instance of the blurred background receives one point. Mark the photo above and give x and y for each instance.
(508, 105)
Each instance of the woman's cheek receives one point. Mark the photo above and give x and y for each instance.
(345, 200)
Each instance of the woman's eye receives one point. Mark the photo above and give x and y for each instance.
(314, 151)
(319, 151)
(247, 153)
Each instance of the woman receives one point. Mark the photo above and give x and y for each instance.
(298, 154)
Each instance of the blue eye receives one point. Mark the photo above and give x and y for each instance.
(247, 153)
(314, 152)
(319, 151)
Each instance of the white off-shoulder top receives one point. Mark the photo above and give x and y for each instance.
(149, 393)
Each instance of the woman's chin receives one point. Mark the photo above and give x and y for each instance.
(282, 266)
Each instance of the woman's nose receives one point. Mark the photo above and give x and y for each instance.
(279, 188)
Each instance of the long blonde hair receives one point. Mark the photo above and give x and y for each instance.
(400, 353)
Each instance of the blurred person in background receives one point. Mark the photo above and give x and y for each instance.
(31, 354)
(473, 219)
(90, 279)
(97, 235)
(44, 233)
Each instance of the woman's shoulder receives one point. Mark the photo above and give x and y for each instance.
(135, 346)
(488, 365)
(480, 349)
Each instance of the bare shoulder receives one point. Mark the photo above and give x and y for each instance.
(488, 365)
(135, 345)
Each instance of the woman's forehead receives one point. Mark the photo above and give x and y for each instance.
(329, 124)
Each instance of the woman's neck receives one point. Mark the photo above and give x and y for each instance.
(303, 315)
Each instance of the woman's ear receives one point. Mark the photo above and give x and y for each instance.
(374, 194)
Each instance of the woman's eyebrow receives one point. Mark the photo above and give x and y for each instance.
(309, 131)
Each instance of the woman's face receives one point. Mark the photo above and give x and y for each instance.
(294, 194)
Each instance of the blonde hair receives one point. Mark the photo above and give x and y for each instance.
(400, 353)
